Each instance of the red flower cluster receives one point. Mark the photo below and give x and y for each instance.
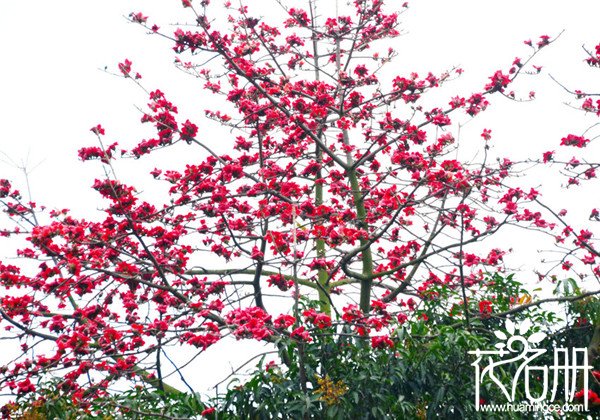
(330, 180)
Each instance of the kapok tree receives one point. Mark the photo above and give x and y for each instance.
(335, 185)
(576, 241)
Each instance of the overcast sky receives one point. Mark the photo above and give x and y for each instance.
(52, 89)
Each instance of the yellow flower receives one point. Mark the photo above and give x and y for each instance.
(330, 391)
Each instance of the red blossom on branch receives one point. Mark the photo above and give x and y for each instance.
(333, 185)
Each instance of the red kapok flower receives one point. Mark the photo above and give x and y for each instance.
(485, 307)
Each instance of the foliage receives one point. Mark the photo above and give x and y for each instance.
(138, 403)
(428, 373)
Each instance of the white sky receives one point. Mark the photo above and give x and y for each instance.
(52, 91)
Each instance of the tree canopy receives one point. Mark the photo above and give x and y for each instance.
(331, 218)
